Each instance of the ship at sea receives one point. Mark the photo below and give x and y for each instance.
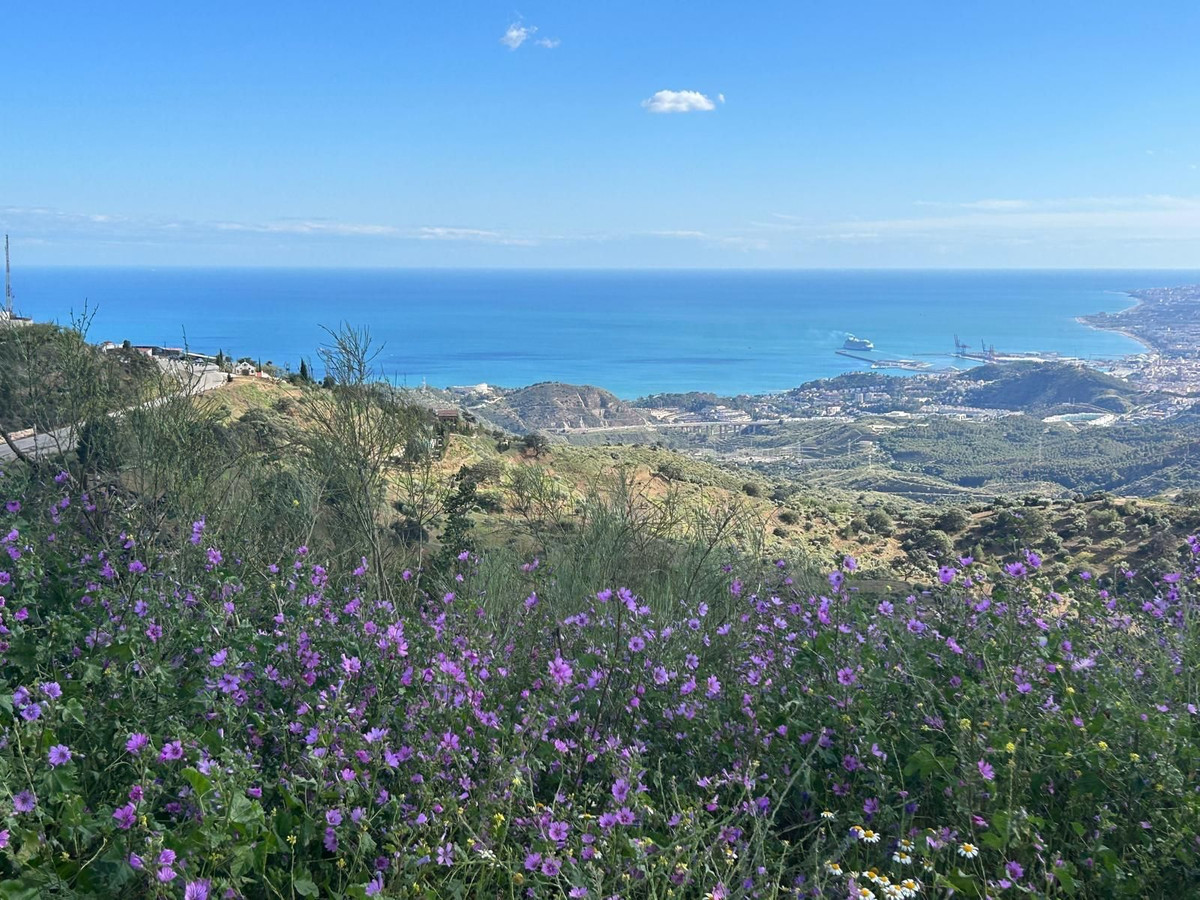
(856, 343)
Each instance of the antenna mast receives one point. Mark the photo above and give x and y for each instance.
(8, 297)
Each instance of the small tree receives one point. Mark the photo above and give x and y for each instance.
(304, 376)
(536, 443)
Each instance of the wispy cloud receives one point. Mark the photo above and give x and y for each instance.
(1084, 219)
(517, 34)
(679, 102)
(439, 233)
(548, 43)
(41, 223)
(306, 227)
(738, 242)
(1052, 204)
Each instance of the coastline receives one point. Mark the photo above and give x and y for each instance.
(1117, 329)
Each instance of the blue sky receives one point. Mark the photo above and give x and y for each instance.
(794, 134)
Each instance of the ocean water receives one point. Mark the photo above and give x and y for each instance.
(633, 332)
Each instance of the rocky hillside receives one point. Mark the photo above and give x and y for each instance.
(552, 405)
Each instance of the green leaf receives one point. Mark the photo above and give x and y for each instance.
(200, 782)
(1066, 879)
(993, 840)
(245, 811)
(305, 887)
(19, 890)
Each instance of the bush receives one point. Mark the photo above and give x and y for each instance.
(880, 522)
(952, 521)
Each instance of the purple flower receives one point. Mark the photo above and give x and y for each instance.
(125, 815)
(986, 770)
(1014, 869)
(171, 751)
(196, 890)
(52, 690)
(846, 676)
(24, 802)
(59, 755)
(561, 671)
(620, 790)
(532, 861)
(558, 831)
(333, 816)
(137, 742)
(551, 867)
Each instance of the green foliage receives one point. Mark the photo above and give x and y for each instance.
(535, 443)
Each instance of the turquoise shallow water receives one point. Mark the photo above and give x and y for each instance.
(633, 332)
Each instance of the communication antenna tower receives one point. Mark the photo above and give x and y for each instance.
(8, 294)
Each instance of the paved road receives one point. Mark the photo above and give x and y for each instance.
(51, 442)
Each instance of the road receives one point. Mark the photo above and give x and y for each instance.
(50, 442)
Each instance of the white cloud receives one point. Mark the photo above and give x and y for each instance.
(1155, 217)
(720, 98)
(517, 34)
(548, 43)
(479, 235)
(343, 229)
(736, 242)
(678, 102)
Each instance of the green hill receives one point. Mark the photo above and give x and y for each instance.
(1040, 388)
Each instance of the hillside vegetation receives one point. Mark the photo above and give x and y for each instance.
(1041, 388)
(310, 641)
(51, 376)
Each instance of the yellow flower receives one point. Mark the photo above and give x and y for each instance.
(291, 839)
(1070, 690)
(519, 879)
(1103, 745)
(968, 850)
(964, 724)
(1010, 747)
(1134, 757)
(341, 864)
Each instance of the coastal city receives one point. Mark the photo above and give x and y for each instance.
(1163, 381)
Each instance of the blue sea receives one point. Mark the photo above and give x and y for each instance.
(633, 332)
